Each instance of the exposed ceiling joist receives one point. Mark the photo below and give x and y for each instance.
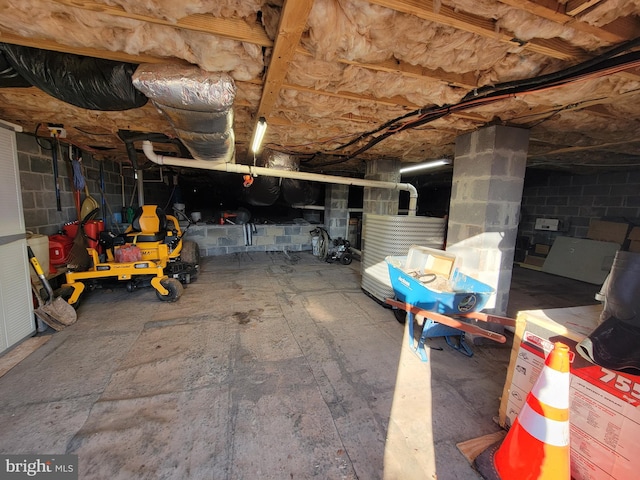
(46, 44)
(234, 28)
(466, 80)
(580, 114)
(444, 15)
(238, 29)
(619, 30)
(574, 7)
(584, 148)
(394, 101)
(293, 19)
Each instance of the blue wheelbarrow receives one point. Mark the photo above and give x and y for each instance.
(446, 312)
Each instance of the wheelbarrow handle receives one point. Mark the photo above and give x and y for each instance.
(465, 327)
(487, 317)
(449, 321)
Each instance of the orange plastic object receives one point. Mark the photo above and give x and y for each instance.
(537, 445)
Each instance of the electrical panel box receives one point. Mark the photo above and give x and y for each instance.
(549, 224)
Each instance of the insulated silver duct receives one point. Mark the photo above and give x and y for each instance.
(280, 160)
(198, 104)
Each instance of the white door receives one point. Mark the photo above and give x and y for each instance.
(16, 303)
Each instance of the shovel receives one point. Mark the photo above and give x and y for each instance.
(56, 313)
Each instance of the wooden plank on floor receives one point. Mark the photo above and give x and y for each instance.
(474, 447)
(22, 351)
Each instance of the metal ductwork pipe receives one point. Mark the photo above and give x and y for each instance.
(197, 103)
(147, 148)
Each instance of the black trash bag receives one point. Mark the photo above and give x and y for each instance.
(85, 82)
(300, 192)
(615, 343)
(263, 192)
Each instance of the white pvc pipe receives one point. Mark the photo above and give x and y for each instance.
(147, 148)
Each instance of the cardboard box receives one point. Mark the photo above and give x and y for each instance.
(541, 249)
(634, 240)
(604, 411)
(430, 260)
(607, 231)
(533, 261)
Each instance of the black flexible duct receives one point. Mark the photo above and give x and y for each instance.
(85, 82)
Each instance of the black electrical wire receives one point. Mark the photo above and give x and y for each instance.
(603, 65)
(341, 159)
(50, 147)
(550, 77)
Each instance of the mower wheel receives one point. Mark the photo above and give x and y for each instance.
(175, 290)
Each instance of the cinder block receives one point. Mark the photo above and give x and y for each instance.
(214, 251)
(31, 181)
(27, 143)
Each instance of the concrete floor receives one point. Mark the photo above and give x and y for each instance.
(270, 366)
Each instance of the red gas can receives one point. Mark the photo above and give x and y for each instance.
(92, 230)
(59, 249)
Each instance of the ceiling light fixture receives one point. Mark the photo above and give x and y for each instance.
(425, 165)
(258, 135)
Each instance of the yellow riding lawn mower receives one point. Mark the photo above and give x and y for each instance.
(151, 251)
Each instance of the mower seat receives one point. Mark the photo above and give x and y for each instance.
(149, 224)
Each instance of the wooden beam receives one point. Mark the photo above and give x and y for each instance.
(483, 27)
(601, 146)
(593, 106)
(465, 80)
(396, 101)
(234, 28)
(391, 101)
(399, 67)
(625, 27)
(574, 7)
(46, 44)
(619, 30)
(472, 117)
(293, 20)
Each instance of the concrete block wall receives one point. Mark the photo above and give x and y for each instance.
(38, 185)
(577, 199)
(381, 201)
(336, 213)
(488, 178)
(215, 240)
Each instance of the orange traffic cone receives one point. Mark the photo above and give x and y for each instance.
(537, 445)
